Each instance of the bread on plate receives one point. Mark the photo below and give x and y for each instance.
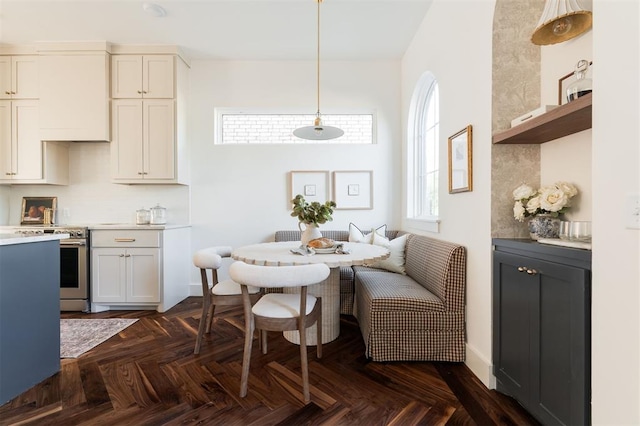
(321, 243)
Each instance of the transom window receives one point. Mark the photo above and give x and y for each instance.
(253, 127)
(423, 154)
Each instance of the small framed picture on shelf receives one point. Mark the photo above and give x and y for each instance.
(460, 164)
(33, 209)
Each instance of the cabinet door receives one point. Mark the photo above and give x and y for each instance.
(5, 141)
(159, 139)
(514, 297)
(126, 146)
(126, 76)
(158, 77)
(24, 79)
(108, 277)
(5, 77)
(143, 275)
(27, 147)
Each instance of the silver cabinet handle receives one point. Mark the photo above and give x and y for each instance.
(124, 240)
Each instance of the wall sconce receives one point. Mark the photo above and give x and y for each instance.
(561, 20)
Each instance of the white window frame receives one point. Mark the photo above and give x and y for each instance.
(220, 111)
(426, 87)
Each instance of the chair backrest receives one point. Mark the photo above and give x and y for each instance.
(278, 276)
(211, 258)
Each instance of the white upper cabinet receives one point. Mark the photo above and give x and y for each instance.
(74, 97)
(142, 76)
(19, 77)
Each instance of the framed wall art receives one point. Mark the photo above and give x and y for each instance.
(33, 209)
(460, 164)
(353, 189)
(313, 185)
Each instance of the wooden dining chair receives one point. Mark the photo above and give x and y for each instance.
(221, 293)
(280, 312)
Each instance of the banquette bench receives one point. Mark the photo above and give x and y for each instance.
(416, 313)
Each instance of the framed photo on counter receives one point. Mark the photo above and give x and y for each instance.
(33, 209)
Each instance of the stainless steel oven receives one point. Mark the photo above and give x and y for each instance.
(74, 265)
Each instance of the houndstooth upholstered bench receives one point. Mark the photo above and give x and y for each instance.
(418, 315)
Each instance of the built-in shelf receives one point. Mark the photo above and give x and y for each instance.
(564, 120)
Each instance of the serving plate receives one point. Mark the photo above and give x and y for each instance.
(328, 250)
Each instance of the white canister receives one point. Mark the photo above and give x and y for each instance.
(143, 216)
(158, 215)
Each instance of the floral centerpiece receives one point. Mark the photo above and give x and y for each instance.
(545, 204)
(311, 214)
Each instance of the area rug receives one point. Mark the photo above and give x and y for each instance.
(78, 336)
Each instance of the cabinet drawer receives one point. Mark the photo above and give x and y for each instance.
(125, 238)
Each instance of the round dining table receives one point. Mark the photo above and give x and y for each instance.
(280, 254)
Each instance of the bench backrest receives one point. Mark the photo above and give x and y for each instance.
(439, 266)
(294, 235)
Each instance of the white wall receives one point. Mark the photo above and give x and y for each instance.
(461, 62)
(240, 193)
(616, 252)
(5, 192)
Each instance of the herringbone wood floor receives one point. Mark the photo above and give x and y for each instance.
(148, 375)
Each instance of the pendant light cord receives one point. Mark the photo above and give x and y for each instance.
(318, 62)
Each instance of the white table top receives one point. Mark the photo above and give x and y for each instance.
(279, 254)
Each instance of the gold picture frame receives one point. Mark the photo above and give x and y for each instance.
(33, 209)
(460, 161)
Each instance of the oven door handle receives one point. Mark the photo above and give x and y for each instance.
(73, 243)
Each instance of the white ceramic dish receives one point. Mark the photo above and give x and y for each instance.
(329, 250)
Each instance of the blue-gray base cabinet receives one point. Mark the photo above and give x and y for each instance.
(542, 329)
(29, 315)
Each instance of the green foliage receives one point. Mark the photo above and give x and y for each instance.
(312, 213)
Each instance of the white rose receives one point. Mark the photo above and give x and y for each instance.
(522, 192)
(533, 205)
(567, 188)
(518, 211)
(553, 199)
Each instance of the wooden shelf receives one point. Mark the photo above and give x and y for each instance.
(565, 120)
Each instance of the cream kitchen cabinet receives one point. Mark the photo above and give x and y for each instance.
(24, 158)
(138, 76)
(139, 268)
(144, 141)
(19, 77)
(74, 96)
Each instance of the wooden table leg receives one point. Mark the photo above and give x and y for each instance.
(329, 290)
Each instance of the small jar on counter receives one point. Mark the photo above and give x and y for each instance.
(143, 216)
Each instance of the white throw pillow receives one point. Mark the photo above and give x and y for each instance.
(357, 236)
(396, 260)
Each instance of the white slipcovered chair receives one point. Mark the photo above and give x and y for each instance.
(221, 293)
(280, 312)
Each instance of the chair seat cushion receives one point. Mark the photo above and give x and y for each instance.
(388, 291)
(231, 288)
(276, 305)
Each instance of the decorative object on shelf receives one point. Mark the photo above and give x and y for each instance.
(543, 207)
(353, 189)
(318, 131)
(532, 114)
(581, 85)
(460, 164)
(143, 216)
(311, 215)
(561, 20)
(34, 208)
(566, 81)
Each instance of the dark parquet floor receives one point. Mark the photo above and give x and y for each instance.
(148, 375)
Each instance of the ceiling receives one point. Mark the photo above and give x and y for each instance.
(225, 29)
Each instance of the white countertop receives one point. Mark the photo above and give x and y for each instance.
(7, 239)
(133, 226)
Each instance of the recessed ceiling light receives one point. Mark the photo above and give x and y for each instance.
(154, 10)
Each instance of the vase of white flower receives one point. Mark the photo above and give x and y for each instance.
(543, 207)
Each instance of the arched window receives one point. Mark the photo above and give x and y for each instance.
(422, 148)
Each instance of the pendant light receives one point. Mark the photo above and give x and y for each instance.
(318, 131)
(561, 20)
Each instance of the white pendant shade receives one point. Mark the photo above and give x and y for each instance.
(561, 20)
(318, 131)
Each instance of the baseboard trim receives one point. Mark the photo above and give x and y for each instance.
(480, 366)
